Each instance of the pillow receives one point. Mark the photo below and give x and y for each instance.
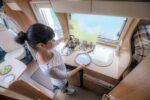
(141, 40)
(7, 42)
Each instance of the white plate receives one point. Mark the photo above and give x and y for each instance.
(83, 59)
(9, 78)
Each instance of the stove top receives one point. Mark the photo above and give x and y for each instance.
(72, 46)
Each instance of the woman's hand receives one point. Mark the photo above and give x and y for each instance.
(74, 71)
(81, 66)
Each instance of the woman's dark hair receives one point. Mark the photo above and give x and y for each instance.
(36, 33)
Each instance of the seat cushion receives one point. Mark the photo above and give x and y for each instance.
(17, 54)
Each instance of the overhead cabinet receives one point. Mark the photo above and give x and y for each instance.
(72, 6)
(101, 7)
(121, 8)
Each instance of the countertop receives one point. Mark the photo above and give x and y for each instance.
(114, 70)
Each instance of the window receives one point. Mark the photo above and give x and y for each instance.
(45, 14)
(52, 21)
(96, 27)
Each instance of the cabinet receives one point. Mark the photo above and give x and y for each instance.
(121, 8)
(72, 6)
(124, 8)
(136, 86)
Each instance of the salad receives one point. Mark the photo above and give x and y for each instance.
(5, 70)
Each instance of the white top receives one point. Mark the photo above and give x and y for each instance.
(55, 69)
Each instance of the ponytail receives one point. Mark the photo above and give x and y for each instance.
(21, 38)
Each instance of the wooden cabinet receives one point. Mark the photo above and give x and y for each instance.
(72, 6)
(136, 86)
(124, 8)
(121, 8)
(6, 94)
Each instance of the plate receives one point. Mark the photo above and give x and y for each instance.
(83, 58)
(9, 78)
(6, 69)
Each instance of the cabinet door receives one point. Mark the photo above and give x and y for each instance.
(72, 6)
(119, 8)
(136, 86)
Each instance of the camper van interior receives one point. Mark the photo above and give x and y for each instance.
(109, 39)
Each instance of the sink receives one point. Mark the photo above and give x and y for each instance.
(102, 55)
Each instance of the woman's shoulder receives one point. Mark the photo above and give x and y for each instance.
(57, 57)
(55, 52)
(42, 61)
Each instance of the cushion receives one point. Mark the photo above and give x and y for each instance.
(7, 42)
(17, 54)
(141, 44)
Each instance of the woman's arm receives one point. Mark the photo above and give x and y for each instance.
(58, 74)
(74, 71)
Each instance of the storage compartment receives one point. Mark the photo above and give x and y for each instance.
(97, 85)
(68, 6)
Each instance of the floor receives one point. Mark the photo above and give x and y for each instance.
(81, 94)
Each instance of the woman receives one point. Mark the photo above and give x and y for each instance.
(40, 38)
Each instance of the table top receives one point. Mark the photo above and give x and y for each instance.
(18, 68)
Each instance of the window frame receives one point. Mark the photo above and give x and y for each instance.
(40, 4)
(113, 41)
(107, 41)
(36, 5)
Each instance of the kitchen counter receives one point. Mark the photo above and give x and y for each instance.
(120, 62)
(114, 70)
